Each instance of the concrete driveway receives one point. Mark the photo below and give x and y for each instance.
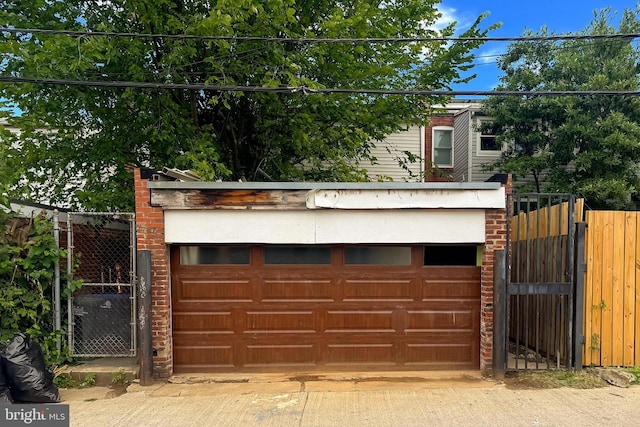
(397, 399)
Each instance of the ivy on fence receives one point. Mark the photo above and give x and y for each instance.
(28, 253)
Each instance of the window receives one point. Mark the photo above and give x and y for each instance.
(452, 255)
(297, 255)
(193, 255)
(488, 143)
(377, 255)
(443, 146)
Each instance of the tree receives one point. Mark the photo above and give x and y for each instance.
(586, 145)
(77, 141)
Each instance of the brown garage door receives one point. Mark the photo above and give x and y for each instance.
(328, 307)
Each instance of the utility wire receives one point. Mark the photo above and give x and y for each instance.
(315, 39)
(308, 90)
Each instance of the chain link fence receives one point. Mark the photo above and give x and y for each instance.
(102, 312)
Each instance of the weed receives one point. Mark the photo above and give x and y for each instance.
(67, 381)
(635, 371)
(119, 377)
(595, 342)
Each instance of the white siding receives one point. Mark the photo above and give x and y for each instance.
(393, 147)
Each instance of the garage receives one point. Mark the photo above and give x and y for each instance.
(282, 307)
(320, 276)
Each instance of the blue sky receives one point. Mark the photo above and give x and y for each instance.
(560, 16)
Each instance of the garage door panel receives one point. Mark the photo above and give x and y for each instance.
(450, 290)
(207, 339)
(299, 290)
(218, 289)
(443, 355)
(452, 272)
(358, 321)
(220, 322)
(427, 320)
(269, 355)
(378, 289)
(279, 322)
(447, 304)
(190, 357)
(378, 353)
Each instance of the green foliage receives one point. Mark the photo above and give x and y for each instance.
(119, 378)
(67, 381)
(595, 342)
(28, 252)
(77, 143)
(635, 371)
(588, 145)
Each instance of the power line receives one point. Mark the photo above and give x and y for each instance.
(308, 90)
(307, 40)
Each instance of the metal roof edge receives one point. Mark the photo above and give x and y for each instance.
(232, 185)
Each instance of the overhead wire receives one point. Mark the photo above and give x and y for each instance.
(306, 90)
(12, 30)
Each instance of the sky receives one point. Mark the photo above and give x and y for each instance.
(560, 16)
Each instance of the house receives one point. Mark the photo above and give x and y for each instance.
(252, 276)
(457, 146)
(450, 148)
(472, 149)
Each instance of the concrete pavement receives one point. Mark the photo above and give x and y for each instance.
(343, 399)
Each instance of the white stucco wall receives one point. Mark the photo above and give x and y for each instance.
(325, 226)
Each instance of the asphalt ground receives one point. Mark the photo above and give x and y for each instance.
(343, 399)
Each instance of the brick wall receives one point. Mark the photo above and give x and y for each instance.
(150, 236)
(446, 174)
(495, 239)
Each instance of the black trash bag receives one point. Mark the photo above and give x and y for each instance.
(5, 392)
(31, 381)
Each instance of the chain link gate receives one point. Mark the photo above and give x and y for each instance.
(101, 253)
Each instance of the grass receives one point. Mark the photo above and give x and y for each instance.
(635, 371)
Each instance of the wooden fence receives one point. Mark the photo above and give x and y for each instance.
(612, 289)
(611, 324)
(544, 222)
(540, 256)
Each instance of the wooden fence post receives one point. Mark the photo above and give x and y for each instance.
(580, 270)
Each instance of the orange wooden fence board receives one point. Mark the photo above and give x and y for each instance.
(588, 296)
(636, 314)
(607, 289)
(629, 288)
(617, 290)
(594, 279)
(612, 297)
(545, 221)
